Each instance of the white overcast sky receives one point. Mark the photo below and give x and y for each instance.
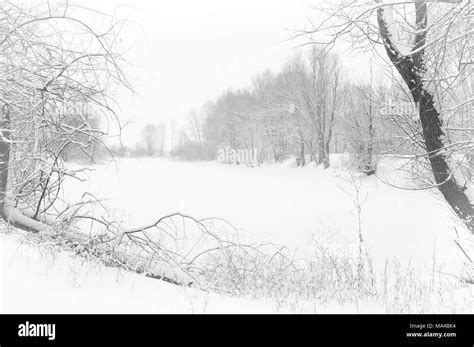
(185, 52)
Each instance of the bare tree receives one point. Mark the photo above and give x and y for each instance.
(433, 58)
(51, 80)
(56, 70)
(320, 93)
(365, 126)
(195, 122)
(152, 140)
(290, 112)
(412, 70)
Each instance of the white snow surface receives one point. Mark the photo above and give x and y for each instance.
(36, 280)
(283, 204)
(277, 203)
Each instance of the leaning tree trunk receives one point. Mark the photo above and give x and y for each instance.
(412, 69)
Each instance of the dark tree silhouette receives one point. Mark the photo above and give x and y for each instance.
(411, 68)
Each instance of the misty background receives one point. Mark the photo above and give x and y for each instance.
(183, 53)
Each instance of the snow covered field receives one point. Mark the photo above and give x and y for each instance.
(283, 204)
(277, 203)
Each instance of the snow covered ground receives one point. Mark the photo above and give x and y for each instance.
(38, 280)
(283, 204)
(278, 203)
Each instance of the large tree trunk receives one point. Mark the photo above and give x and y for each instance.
(322, 157)
(412, 69)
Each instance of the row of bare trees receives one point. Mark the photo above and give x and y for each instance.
(310, 109)
(59, 74)
(307, 110)
(429, 46)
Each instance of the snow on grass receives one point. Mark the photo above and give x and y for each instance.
(37, 278)
(40, 278)
(408, 235)
(283, 204)
(44, 280)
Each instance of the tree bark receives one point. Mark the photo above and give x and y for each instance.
(302, 152)
(10, 213)
(412, 68)
(4, 155)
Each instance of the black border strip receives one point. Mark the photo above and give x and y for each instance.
(223, 330)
